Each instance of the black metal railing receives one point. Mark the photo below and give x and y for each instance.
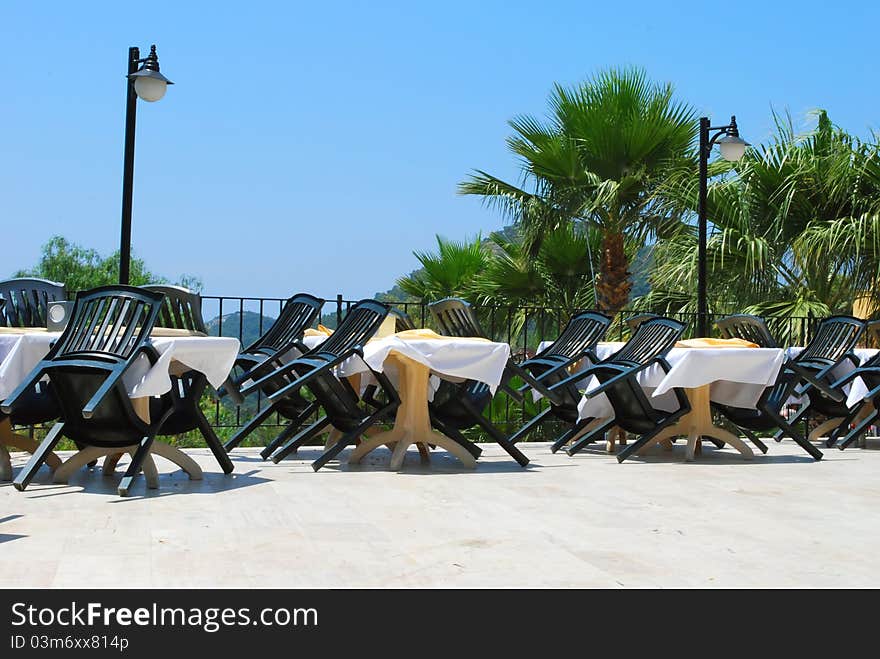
(524, 328)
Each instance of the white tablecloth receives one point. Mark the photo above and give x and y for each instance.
(211, 355)
(736, 376)
(451, 358)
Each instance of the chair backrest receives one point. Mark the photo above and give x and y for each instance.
(182, 308)
(633, 322)
(108, 323)
(654, 338)
(402, 321)
(582, 333)
(297, 315)
(747, 327)
(359, 325)
(456, 318)
(27, 300)
(834, 338)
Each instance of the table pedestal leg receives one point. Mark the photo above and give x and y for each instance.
(22, 443)
(412, 424)
(697, 424)
(81, 458)
(825, 428)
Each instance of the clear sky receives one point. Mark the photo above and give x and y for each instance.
(313, 146)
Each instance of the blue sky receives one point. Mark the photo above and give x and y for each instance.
(314, 146)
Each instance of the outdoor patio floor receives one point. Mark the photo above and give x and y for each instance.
(778, 520)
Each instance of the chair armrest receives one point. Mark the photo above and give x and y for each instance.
(299, 382)
(36, 375)
(89, 410)
(624, 376)
(535, 383)
(814, 381)
(257, 384)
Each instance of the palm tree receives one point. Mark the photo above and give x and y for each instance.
(597, 161)
(449, 272)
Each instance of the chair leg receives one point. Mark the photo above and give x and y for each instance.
(249, 427)
(213, 442)
(134, 468)
(788, 429)
(38, 457)
(300, 439)
(457, 437)
(501, 440)
(843, 426)
(534, 421)
(569, 434)
(589, 438)
(288, 431)
(645, 439)
(753, 438)
(349, 437)
(859, 429)
(797, 417)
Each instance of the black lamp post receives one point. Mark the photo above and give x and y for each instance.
(732, 148)
(144, 81)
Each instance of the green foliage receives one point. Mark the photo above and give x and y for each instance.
(82, 268)
(448, 272)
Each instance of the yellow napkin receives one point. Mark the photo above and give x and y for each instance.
(21, 330)
(173, 331)
(430, 334)
(715, 343)
(321, 331)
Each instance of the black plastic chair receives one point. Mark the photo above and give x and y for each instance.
(27, 300)
(341, 405)
(182, 309)
(266, 353)
(109, 331)
(617, 376)
(402, 321)
(746, 327)
(867, 411)
(576, 342)
(456, 317)
(810, 373)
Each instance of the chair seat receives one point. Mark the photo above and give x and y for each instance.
(37, 406)
(746, 417)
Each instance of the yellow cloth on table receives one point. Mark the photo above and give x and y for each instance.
(715, 343)
(430, 334)
(21, 330)
(174, 331)
(321, 331)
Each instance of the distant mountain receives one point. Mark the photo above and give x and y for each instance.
(247, 327)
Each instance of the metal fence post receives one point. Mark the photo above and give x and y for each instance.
(338, 310)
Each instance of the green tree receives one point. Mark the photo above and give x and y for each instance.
(597, 161)
(81, 268)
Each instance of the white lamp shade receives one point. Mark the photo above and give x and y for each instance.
(149, 88)
(732, 148)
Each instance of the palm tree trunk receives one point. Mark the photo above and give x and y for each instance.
(613, 283)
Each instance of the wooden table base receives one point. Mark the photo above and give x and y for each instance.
(22, 443)
(112, 455)
(697, 424)
(412, 424)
